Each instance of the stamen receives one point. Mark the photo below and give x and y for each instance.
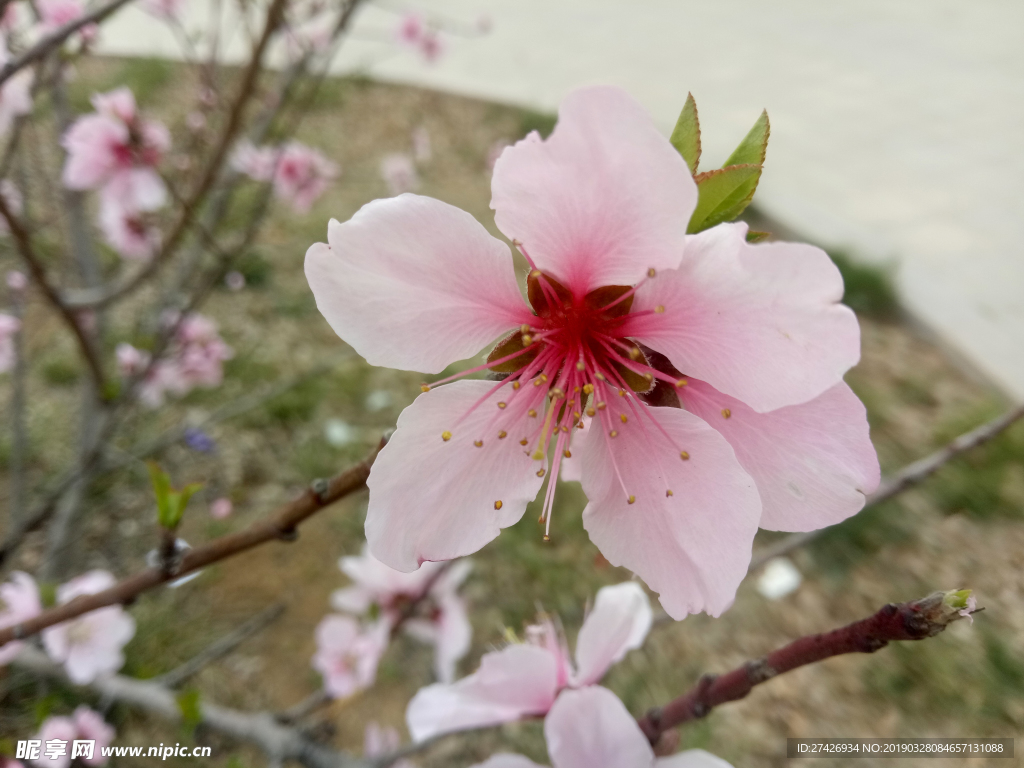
(524, 441)
(532, 413)
(502, 405)
(669, 493)
(502, 435)
(567, 453)
(684, 455)
(524, 328)
(478, 443)
(591, 412)
(631, 499)
(446, 435)
(602, 405)
(622, 416)
(516, 385)
(726, 413)
(424, 387)
(613, 433)
(541, 472)
(660, 309)
(682, 383)
(588, 388)
(651, 272)
(498, 504)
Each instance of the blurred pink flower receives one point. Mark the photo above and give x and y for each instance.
(411, 28)
(624, 305)
(591, 728)
(255, 162)
(399, 173)
(114, 140)
(125, 204)
(347, 654)
(195, 121)
(56, 13)
(16, 280)
(15, 93)
(84, 724)
(9, 326)
(379, 741)
(234, 280)
(19, 601)
(221, 508)
(443, 623)
(421, 150)
(526, 678)
(89, 646)
(301, 175)
(164, 9)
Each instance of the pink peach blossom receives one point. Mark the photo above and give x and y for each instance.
(221, 508)
(590, 728)
(399, 173)
(89, 646)
(411, 28)
(255, 162)
(16, 280)
(421, 149)
(15, 93)
(382, 740)
(163, 9)
(621, 299)
(54, 14)
(443, 622)
(126, 202)
(347, 654)
(9, 326)
(525, 679)
(84, 724)
(19, 601)
(301, 175)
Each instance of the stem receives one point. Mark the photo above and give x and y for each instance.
(915, 620)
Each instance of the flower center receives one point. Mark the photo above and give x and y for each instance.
(572, 360)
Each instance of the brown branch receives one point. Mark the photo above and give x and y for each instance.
(279, 525)
(916, 620)
(58, 36)
(23, 241)
(908, 477)
(213, 168)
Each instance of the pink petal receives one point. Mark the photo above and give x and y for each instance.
(619, 623)
(692, 758)
(505, 760)
(511, 683)
(454, 636)
(602, 200)
(590, 728)
(692, 547)
(761, 323)
(414, 283)
(432, 499)
(813, 463)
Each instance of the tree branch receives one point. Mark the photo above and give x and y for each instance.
(915, 620)
(908, 477)
(57, 37)
(279, 525)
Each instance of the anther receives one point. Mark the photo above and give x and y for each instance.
(634, 353)
(613, 433)
(502, 405)
(565, 429)
(580, 366)
(622, 418)
(424, 387)
(478, 443)
(502, 435)
(527, 339)
(726, 413)
(524, 328)
(532, 413)
(660, 309)
(588, 388)
(446, 435)
(555, 393)
(649, 377)
(591, 412)
(682, 383)
(523, 441)
(498, 504)
(541, 472)
(536, 273)
(684, 455)
(516, 385)
(631, 499)
(669, 493)
(622, 393)
(651, 272)
(599, 376)
(547, 538)
(576, 414)
(602, 405)
(567, 453)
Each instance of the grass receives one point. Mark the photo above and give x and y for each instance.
(869, 288)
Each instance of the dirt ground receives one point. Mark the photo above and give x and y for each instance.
(965, 528)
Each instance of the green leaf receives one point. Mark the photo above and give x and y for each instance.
(754, 147)
(161, 489)
(186, 493)
(756, 236)
(686, 135)
(724, 194)
(191, 713)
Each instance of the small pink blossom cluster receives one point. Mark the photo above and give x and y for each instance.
(116, 151)
(16, 92)
(414, 32)
(440, 618)
(300, 174)
(379, 741)
(399, 170)
(9, 326)
(54, 14)
(195, 358)
(88, 646)
(83, 724)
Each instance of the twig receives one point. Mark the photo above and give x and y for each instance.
(58, 36)
(909, 476)
(304, 708)
(19, 430)
(221, 648)
(279, 742)
(279, 525)
(915, 620)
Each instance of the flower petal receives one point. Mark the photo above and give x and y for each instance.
(414, 283)
(619, 623)
(813, 463)
(434, 499)
(761, 323)
(511, 683)
(590, 728)
(692, 547)
(692, 758)
(602, 200)
(506, 760)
